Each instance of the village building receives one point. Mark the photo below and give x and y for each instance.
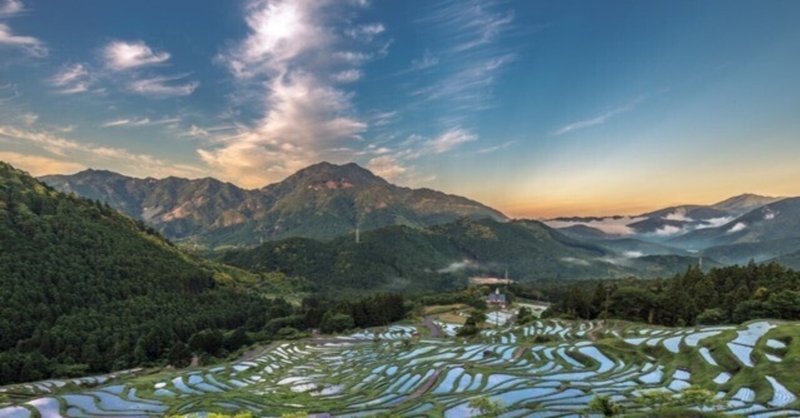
(497, 299)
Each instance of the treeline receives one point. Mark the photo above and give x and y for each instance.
(336, 315)
(722, 295)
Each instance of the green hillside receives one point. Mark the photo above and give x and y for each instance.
(85, 289)
(441, 257)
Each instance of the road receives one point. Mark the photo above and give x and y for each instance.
(436, 332)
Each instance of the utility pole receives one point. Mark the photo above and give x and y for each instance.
(358, 235)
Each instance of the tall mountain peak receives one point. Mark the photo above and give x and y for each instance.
(322, 201)
(745, 202)
(329, 175)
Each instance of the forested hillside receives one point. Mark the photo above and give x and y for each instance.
(85, 289)
(441, 257)
(722, 295)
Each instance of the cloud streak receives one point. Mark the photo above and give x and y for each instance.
(472, 57)
(96, 155)
(163, 86)
(32, 46)
(599, 119)
(121, 55)
(38, 165)
(450, 139)
(11, 7)
(72, 79)
(139, 122)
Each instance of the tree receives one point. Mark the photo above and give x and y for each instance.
(691, 396)
(711, 316)
(180, 355)
(472, 325)
(476, 317)
(486, 407)
(335, 322)
(206, 341)
(604, 405)
(784, 304)
(524, 315)
(236, 339)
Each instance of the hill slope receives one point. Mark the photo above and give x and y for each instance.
(86, 289)
(443, 256)
(672, 221)
(744, 203)
(322, 201)
(776, 221)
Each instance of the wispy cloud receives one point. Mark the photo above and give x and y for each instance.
(599, 119)
(348, 76)
(8, 92)
(72, 79)
(195, 131)
(11, 8)
(379, 119)
(427, 60)
(95, 155)
(365, 32)
(488, 150)
(122, 55)
(39, 165)
(474, 52)
(139, 122)
(163, 86)
(31, 45)
(29, 118)
(450, 139)
(386, 167)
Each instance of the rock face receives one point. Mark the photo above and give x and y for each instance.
(322, 201)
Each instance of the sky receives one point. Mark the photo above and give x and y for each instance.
(537, 108)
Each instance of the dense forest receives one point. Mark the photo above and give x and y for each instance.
(722, 295)
(441, 257)
(86, 290)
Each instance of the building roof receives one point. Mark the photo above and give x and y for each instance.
(496, 298)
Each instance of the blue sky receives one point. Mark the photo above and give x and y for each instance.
(537, 108)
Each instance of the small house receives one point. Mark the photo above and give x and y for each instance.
(497, 299)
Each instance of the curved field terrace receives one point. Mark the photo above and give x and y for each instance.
(550, 368)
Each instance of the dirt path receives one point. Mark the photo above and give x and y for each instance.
(425, 386)
(520, 352)
(596, 330)
(254, 352)
(436, 332)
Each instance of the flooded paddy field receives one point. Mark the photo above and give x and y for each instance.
(549, 368)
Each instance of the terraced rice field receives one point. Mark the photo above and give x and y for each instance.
(546, 369)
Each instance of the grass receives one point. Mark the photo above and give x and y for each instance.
(440, 309)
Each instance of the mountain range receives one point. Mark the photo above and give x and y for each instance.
(322, 201)
(328, 201)
(733, 231)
